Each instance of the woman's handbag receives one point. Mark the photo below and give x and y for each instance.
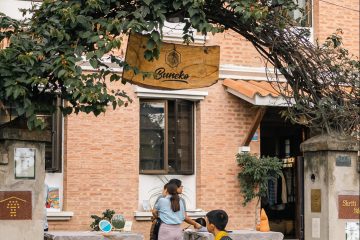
(154, 230)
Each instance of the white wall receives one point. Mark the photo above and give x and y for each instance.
(151, 185)
(11, 7)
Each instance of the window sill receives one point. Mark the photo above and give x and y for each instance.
(174, 94)
(146, 216)
(59, 216)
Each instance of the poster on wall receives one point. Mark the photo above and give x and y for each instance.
(352, 230)
(53, 200)
(24, 163)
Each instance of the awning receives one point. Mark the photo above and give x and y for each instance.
(259, 93)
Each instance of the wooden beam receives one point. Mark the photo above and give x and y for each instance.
(258, 117)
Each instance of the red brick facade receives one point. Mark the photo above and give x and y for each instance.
(102, 161)
(101, 154)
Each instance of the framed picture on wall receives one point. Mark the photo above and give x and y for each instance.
(53, 199)
(24, 163)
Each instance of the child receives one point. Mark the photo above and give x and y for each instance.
(216, 221)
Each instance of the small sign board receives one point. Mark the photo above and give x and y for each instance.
(343, 161)
(127, 227)
(179, 66)
(349, 206)
(24, 163)
(315, 227)
(315, 200)
(15, 205)
(352, 230)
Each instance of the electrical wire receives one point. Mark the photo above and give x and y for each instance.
(339, 6)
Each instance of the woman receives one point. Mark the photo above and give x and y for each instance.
(172, 213)
(179, 190)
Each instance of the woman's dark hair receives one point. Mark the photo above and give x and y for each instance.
(219, 218)
(201, 221)
(174, 199)
(175, 181)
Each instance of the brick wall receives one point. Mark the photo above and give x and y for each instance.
(101, 159)
(236, 50)
(223, 122)
(101, 163)
(329, 17)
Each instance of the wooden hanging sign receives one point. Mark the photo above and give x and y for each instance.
(178, 67)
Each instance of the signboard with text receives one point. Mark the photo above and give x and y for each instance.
(315, 200)
(178, 67)
(349, 206)
(15, 205)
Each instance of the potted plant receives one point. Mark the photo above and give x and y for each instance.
(254, 176)
(107, 215)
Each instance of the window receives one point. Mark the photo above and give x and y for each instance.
(166, 137)
(53, 149)
(306, 15)
(7, 113)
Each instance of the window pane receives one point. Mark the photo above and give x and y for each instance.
(53, 148)
(184, 137)
(49, 160)
(152, 135)
(7, 114)
(172, 137)
(306, 15)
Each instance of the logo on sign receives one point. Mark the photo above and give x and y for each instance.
(13, 204)
(173, 58)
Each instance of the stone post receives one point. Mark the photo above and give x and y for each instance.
(22, 202)
(331, 187)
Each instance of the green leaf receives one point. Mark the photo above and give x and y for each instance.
(85, 34)
(16, 92)
(83, 20)
(195, 19)
(155, 36)
(94, 63)
(147, 2)
(109, 27)
(94, 38)
(114, 77)
(148, 55)
(82, 98)
(61, 73)
(150, 44)
(239, 9)
(192, 11)
(89, 55)
(176, 4)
